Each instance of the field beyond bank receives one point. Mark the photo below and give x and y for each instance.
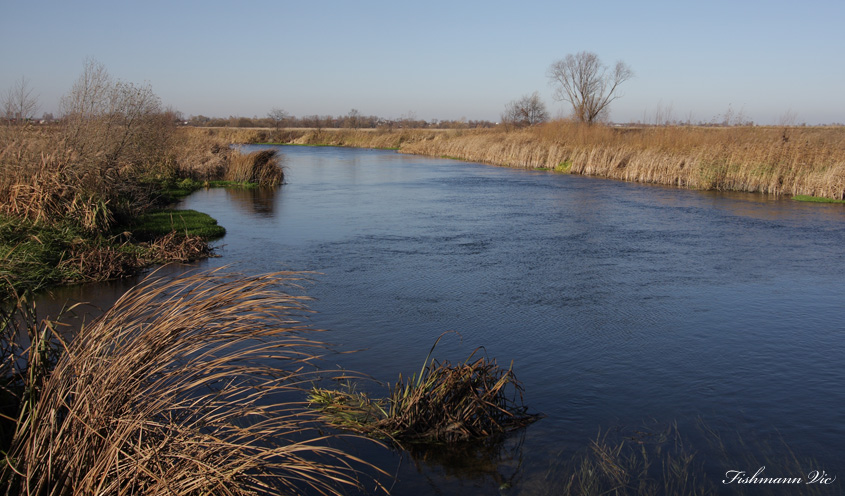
(771, 160)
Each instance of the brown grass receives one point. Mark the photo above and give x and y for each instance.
(184, 386)
(356, 138)
(779, 161)
(263, 168)
(43, 180)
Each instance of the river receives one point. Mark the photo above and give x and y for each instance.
(625, 308)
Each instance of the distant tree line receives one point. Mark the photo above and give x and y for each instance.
(278, 118)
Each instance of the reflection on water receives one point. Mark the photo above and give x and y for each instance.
(257, 201)
(496, 461)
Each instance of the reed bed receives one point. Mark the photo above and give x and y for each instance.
(778, 161)
(185, 386)
(445, 403)
(42, 180)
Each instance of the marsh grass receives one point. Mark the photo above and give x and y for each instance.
(159, 223)
(65, 207)
(444, 403)
(815, 199)
(792, 161)
(184, 386)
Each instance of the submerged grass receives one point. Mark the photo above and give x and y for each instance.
(185, 386)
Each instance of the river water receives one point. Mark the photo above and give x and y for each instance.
(624, 308)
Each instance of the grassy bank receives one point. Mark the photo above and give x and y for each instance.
(771, 160)
(778, 161)
(72, 211)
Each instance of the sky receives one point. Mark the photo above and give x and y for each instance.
(765, 60)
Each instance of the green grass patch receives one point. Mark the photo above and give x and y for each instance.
(816, 199)
(31, 255)
(563, 167)
(188, 222)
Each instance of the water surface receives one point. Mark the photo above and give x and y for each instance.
(619, 304)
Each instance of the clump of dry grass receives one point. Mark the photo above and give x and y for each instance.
(262, 168)
(449, 403)
(185, 386)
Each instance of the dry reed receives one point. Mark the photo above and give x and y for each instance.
(790, 161)
(262, 168)
(185, 386)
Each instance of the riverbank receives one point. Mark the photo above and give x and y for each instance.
(783, 161)
(72, 213)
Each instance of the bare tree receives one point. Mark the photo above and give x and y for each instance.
(19, 104)
(526, 111)
(587, 84)
(115, 121)
(353, 119)
(278, 116)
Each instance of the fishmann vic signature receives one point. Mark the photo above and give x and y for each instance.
(741, 477)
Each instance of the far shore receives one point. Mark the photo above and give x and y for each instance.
(772, 160)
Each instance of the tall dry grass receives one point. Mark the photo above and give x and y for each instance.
(263, 168)
(42, 180)
(771, 160)
(185, 386)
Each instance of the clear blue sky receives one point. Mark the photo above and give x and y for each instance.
(437, 59)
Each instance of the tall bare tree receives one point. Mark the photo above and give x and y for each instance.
(526, 111)
(587, 84)
(19, 103)
(114, 120)
(278, 116)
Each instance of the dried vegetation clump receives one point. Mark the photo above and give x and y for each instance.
(445, 403)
